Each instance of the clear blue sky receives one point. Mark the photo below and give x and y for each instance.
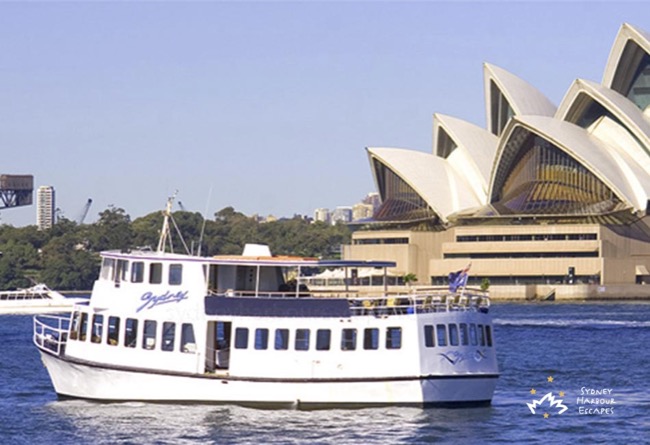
(270, 105)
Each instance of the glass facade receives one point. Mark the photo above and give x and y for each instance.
(632, 78)
(501, 110)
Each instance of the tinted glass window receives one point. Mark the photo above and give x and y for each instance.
(175, 274)
(371, 338)
(282, 339)
(113, 331)
(155, 273)
(130, 332)
(302, 340)
(393, 338)
(261, 338)
(348, 339)
(169, 331)
(137, 272)
(429, 336)
(323, 337)
(481, 335)
(472, 334)
(453, 334)
(241, 338)
(98, 327)
(149, 334)
(441, 330)
(188, 343)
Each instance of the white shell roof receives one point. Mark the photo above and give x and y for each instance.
(430, 176)
(626, 32)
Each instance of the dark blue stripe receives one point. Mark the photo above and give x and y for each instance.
(277, 307)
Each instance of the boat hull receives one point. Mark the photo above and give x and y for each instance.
(75, 379)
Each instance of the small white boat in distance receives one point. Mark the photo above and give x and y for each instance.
(38, 299)
(165, 327)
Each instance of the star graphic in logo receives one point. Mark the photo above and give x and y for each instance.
(562, 393)
(550, 379)
(546, 415)
(533, 391)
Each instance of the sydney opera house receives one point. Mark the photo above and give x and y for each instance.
(546, 201)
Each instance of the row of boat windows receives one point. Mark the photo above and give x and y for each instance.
(136, 272)
(462, 334)
(112, 334)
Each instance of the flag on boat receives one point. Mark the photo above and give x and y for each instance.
(459, 278)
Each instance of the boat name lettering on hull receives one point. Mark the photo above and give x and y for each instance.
(151, 300)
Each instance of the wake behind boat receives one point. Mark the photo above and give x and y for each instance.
(243, 329)
(38, 299)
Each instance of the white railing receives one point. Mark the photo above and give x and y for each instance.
(51, 332)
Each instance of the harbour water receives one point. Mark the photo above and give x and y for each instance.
(593, 352)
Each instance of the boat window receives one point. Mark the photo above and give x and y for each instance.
(371, 338)
(323, 338)
(168, 334)
(348, 339)
(442, 334)
(83, 328)
(261, 338)
(472, 334)
(481, 335)
(130, 332)
(137, 272)
(123, 269)
(108, 266)
(188, 342)
(429, 336)
(155, 273)
(113, 331)
(282, 339)
(175, 274)
(97, 328)
(453, 334)
(393, 338)
(241, 338)
(488, 335)
(464, 340)
(302, 340)
(74, 327)
(149, 335)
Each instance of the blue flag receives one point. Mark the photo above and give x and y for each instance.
(458, 279)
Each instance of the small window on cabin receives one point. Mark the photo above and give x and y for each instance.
(123, 267)
(241, 338)
(112, 336)
(281, 339)
(74, 328)
(302, 340)
(108, 266)
(261, 338)
(371, 338)
(149, 334)
(481, 335)
(488, 335)
(83, 327)
(441, 331)
(393, 338)
(130, 332)
(188, 342)
(97, 328)
(429, 336)
(464, 337)
(168, 334)
(453, 334)
(155, 273)
(323, 338)
(348, 339)
(137, 272)
(175, 274)
(472, 334)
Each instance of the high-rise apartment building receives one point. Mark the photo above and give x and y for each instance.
(45, 207)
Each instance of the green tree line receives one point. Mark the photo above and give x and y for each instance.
(66, 257)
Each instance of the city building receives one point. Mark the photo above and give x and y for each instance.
(341, 214)
(322, 215)
(45, 207)
(546, 202)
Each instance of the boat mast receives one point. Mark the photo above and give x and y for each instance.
(164, 234)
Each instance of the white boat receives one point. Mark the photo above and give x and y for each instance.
(166, 327)
(38, 299)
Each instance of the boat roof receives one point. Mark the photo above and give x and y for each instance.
(279, 261)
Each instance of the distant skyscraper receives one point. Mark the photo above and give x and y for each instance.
(342, 214)
(322, 215)
(45, 207)
(362, 211)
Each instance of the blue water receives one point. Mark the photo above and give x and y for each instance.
(580, 345)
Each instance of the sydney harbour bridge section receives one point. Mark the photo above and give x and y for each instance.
(16, 190)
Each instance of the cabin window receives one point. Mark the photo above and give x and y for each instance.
(98, 326)
(241, 338)
(429, 336)
(464, 338)
(472, 334)
(123, 270)
(149, 334)
(169, 330)
(155, 273)
(175, 274)
(481, 335)
(348, 339)
(188, 342)
(323, 338)
(130, 332)
(453, 334)
(108, 266)
(488, 335)
(302, 340)
(282, 339)
(113, 331)
(442, 334)
(137, 272)
(371, 338)
(393, 338)
(261, 338)
(74, 328)
(83, 327)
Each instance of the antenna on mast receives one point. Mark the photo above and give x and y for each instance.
(167, 213)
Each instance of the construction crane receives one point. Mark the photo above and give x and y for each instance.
(180, 204)
(84, 211)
